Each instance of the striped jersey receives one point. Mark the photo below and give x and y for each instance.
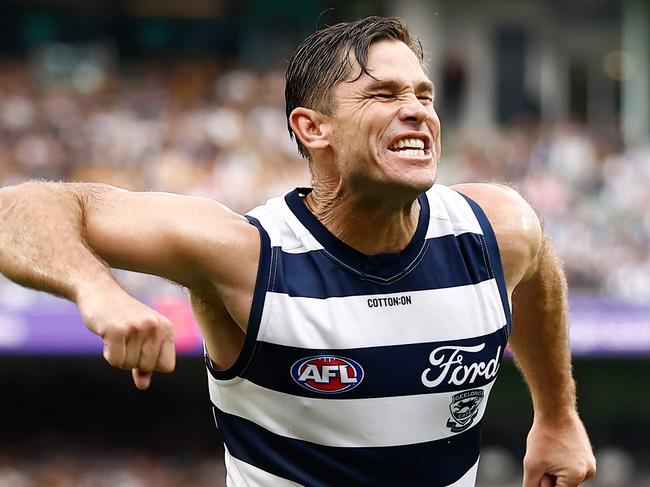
(364, 370)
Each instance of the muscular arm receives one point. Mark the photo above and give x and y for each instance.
(540, 341)
(62, 238)
(558, 449)
(41, 244)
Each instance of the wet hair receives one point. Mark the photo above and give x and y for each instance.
(323, 60)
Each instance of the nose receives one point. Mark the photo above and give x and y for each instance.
(412, 110)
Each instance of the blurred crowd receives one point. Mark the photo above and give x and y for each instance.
(201, 129)
(105, 467)
(108, 468)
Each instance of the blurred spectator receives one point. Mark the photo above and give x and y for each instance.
(198, 129)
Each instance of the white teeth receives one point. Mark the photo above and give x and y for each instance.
(411, 153)
(410, 143)
(415, 143)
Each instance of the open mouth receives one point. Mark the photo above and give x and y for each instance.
(410, 147)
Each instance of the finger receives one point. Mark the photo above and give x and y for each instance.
(532, 477)
(572, 480)
(167, 357)
(149, 353)
(133, 350)
(114, 351)
(591, 468)
(547, 481)
(590, 473)
(142, 380)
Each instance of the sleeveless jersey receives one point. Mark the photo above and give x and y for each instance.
(364, 370)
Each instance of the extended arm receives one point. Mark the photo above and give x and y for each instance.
(62, 238)
(557, 443)
(42, 246)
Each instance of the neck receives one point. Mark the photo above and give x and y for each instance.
(369, 225)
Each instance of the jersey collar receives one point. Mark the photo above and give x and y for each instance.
(382, 267)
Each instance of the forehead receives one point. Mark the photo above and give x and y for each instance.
(389, 60)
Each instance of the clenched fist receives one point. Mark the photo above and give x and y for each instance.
(558, 453)
(135, 336)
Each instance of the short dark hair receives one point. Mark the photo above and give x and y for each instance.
(322, 61)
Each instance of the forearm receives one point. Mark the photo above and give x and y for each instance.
(41, 240)
(540, 341)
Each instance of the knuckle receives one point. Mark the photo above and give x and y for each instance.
(150, 326)
(585, 472)
(134, 328)
(170, 334)
(115, 332)
(98, 328)
(119, 334)
(165, 326)
(532, 464)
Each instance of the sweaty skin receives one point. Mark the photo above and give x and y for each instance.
(64, 238)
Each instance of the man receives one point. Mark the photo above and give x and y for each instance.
(353, 331)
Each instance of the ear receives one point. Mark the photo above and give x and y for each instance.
(310, 127)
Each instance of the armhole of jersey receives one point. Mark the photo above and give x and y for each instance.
(493, 250)
(255, 317)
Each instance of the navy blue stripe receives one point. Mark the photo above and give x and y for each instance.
(446, 261)
(388, 371)
(381, 266)
(266, 262)
(431, 464)
(495, 257)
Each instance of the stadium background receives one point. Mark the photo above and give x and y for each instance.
(186, 96)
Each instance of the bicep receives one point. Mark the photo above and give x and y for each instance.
(543, 283)
(180, 238)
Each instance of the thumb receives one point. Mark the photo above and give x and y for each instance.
(142, 380)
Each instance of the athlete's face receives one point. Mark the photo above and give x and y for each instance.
(385, 131)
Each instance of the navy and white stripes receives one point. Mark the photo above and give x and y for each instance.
(400, 352)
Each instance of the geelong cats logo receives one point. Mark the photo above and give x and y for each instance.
(327, 374)
(463, 409)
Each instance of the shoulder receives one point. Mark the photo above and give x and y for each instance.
(516, 225)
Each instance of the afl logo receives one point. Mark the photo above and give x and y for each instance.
(327, 374)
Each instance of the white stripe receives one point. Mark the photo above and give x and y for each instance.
(385, 421)
(348, 322)
(450, 213)
(284, 228)
(295, 229)
(467, 480)
(242, 474)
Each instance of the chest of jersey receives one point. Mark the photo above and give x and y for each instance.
(379, 367)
